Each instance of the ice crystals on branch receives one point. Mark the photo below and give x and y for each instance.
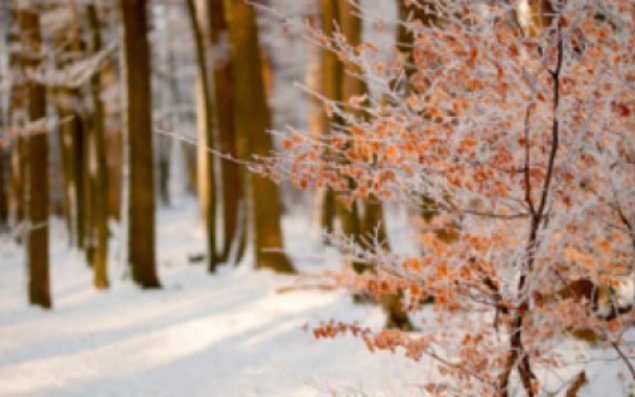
(511, 133)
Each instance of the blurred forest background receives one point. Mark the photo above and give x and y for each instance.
(110, 109)
(132, 129)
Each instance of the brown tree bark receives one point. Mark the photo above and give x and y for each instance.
(36, 189)
(312, 79)
(351, 27)
(82, 132)
(3, 167)
(68, 186)
(17, 182)
(252, 121)
(114, 148)
(331, 81)
(98, 174)
(206, 140)
(139, 141)
(232, 185)
(517, 356)
(4, 209)
(68, 104)
(17, 116)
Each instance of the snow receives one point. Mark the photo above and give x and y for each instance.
(227, 334)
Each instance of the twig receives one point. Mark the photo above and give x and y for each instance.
(624, 358)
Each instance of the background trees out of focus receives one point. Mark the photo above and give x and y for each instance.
(101, 101)
(503, 130)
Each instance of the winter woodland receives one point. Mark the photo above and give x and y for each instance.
(317, 198)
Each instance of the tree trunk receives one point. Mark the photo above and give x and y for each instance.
(77, 131)
(98, 174)
(86, 194)
(517, 356)
(82, 144)
(114, 150)
(18, 179)
(331, 79)
(80, 129)
(65, 142)
(206, 140)
(139, 141)
(351, 27)
(67, 101)
(37, 189)
(203, 117)
(312, 80)
(4, 186)
(232, 178)
(67, 173)
(252, 121)
(4, 209)
(17, 116)
(164, 146)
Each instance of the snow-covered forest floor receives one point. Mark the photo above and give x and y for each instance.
(228, 334)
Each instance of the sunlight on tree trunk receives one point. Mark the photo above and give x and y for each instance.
(252, 120)
(331, 83)
(232, 178)
(207, 178)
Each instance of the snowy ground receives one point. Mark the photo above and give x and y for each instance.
(228, 334)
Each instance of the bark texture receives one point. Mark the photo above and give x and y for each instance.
(36, 188)
(252, 122)
(232, 178)
(99, 172)
(138, 137)
(207, 179)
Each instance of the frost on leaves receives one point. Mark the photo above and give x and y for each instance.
(520, 147)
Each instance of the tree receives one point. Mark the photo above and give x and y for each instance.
(342, 81)
(138, 137)
(252, 121)
(36, 194)
(68, 99)
(366, 216)
(4, 205)
(520, 140)
(16, 117)
(233, 201)
(99, 174)
(206, 176)
(331, 83)
(4, 160)
(364, 220)
(76, 140)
